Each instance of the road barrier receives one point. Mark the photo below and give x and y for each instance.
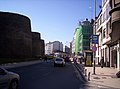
(85, 72)
(89, 76)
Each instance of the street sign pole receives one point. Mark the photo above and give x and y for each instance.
(94, 63)
(94, 48)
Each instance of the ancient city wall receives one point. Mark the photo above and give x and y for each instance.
(15, 35)
(37, 44)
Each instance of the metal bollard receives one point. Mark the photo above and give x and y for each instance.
(89, 76)
(85, 72)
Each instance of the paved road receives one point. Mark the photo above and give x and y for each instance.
(46, 76)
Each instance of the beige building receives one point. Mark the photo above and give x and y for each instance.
(107, 27)
(115, 34)
(103, 30)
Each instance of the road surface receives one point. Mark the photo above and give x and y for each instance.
(45, 76)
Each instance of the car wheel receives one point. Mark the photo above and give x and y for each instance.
(14, 84)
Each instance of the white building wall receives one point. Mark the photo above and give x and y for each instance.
(102, 31)
(73, 46)
(49, 48)
(105, 35)
(61, 46)
(68, 44)
(53, 46)
(118, 56)
(73, 43)
(57, 46)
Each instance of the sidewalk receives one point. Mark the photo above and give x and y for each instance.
(14, 65)
(104, 77)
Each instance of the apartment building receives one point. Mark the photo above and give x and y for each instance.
(103, 30)
(109, 35)
(115, 34)
(68, 47)
(81, 38)
(49, 48)
(57, 46)
(73, 43)
(52, 47)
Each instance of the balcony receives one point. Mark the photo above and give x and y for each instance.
(115, 21)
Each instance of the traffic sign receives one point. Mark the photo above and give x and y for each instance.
(94, 39)
(94, 48)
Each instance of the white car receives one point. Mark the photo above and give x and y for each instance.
(8, 80)
(59, 61)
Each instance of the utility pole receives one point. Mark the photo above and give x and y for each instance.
(95, 34)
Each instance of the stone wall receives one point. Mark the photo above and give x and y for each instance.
(37, 44)
(15, 35)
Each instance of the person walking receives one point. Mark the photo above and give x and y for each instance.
(45, 58)
(102, 62)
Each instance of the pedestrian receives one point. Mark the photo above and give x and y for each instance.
(102, 62)
(80, 59)
(45, 58)
(75, 60)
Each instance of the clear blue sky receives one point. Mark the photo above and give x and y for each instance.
(56, 20)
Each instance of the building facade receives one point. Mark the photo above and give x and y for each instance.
(107, 27)
(68, 47)
(73, 43)
(52, 47)
(115, 34)
(85, 35)
(77, 39)
(57, 46)
(103, 30)
(81, 39)
(49, 48)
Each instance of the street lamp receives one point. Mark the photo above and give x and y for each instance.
(95, 34)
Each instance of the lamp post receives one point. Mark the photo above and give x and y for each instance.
(95, 34)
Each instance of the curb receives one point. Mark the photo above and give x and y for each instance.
(21, 64)
(83, 78)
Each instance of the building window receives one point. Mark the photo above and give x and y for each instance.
(104, 1)
(106, 54)
(107, 28)
(97, 24)
(107, 11)
(100, 19)
(104, 16)
(104, 33)
(101, 52)
(117, 3)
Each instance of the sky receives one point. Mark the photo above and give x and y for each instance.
(56, 20)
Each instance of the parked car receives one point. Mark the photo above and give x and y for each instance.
(8, 80)
(59, 61)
